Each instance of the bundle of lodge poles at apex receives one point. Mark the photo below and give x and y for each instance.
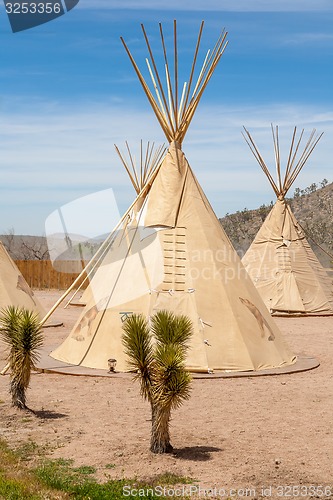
(224, 314)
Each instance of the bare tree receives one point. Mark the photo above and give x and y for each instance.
(34, 248)
(8, 240)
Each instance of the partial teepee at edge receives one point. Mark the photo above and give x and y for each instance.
(280, 261)
(172, 254)
(14, 290)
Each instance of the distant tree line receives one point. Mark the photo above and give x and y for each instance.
(310, 189)
(25, 247)
(36, 247)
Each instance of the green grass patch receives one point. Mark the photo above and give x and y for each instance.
(58, 479)
(85, 470)
(17, 482)
(13, 489)
(26, 451)
(169, 479)
(59, 475)
(110, 466)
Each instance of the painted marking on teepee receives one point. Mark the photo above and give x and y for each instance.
(125, 315)
(259, 317)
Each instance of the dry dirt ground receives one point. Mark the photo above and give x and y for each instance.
(232, 434)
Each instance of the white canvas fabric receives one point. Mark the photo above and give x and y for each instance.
(187, 266)
(285, 270)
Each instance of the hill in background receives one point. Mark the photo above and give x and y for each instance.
(313, 208)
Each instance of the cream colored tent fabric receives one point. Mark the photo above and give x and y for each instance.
(282, 265)
(172, 253)
(141, 169)
(189, 268)
(14, 290)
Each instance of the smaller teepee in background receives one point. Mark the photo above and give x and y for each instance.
(141, 169)
(14, 290)
(280, 261)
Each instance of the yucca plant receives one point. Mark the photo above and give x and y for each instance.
(20, 329)
(157, 355)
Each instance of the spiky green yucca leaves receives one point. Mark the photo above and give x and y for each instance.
(168, 328)
(158, 355)
(138, 347)
(20, 329)
(171, 381)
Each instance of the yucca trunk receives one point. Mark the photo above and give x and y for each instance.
(19, 380)
(160, 437)
(17, 391)
(157, 357)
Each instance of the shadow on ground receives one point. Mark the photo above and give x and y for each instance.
(196, 453)
(49, 414)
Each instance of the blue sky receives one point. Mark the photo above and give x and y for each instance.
(68, 93)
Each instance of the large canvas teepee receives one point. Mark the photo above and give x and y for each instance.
(280, 261)
(14, 290)
(172, 253)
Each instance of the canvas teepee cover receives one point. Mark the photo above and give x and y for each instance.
(171, 253)
(14, 290)
(280, 261)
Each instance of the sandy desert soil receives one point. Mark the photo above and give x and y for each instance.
(233, 433)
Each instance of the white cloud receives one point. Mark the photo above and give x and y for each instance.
(308, 38)
(52, 158)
